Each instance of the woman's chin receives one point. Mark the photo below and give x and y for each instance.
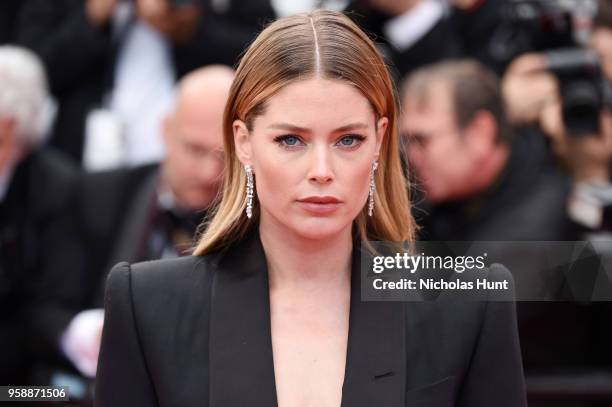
(321, 228)
(308, 226)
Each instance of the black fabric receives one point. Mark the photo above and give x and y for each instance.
(195, 331)
(9, 10)
(29, 214)
(440, 43)
(477, 28)
(221, 36)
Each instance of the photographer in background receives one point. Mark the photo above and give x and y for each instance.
(478, 175)
(483, 180)
(567, 93)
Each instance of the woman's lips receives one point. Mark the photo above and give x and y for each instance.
(320, 205)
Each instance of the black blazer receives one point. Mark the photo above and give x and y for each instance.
(195, 331)
(30, 214)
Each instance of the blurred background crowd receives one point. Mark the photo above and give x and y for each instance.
(111, 150)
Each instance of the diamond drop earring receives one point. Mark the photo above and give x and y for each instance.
(249, 191)
(372, 189)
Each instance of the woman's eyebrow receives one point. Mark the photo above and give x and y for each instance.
(288, 127)
(352, 126)
(294, 128)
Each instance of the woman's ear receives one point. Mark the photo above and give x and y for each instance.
(242, 141)
(381, 130)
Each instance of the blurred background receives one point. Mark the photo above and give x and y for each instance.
(111, 150)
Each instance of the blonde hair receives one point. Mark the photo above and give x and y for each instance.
(326, 44)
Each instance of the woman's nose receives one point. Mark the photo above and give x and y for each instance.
(320, 166)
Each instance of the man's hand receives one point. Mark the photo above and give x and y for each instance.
(527, 88)
(100, 11)
(176, 23)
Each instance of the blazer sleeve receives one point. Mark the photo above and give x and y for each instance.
(122, 377)
(495, 376)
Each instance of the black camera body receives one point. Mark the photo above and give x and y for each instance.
(584, 91)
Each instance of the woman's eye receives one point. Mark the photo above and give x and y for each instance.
(291, 141)
(288, 141)
(352, 140)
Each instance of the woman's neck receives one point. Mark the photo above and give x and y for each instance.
(298, 262)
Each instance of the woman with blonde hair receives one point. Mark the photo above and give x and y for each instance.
(267, 311)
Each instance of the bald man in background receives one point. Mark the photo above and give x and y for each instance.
(133, 215)
(193, 136)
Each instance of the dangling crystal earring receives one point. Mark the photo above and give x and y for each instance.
(372, 189)
(249, 191)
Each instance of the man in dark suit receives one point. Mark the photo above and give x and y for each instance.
(34, 184)
(143, 213)
(481, 179)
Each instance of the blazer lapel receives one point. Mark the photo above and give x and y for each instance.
(376, 360)
(241, 364)
(241, 360)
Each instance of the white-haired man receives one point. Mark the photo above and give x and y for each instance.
(33, 184)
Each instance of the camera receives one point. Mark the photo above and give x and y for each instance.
(558, 28)
(584, 91)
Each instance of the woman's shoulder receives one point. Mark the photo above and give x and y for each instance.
(162, 279)
(172, 269)
(157, 315)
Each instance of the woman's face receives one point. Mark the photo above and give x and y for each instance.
(312, 152)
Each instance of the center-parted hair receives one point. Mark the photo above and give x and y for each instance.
(328, 45)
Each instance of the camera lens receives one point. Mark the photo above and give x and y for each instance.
(581, 107)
